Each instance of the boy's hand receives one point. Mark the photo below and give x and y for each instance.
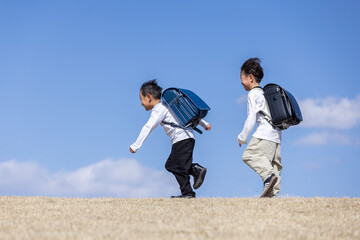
(131, 150)
(208, 127)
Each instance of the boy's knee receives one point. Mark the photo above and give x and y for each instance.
(246, 157)
(172, 167)
(168, 166)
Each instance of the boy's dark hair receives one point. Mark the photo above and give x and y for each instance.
(252, 66)
(151, 87)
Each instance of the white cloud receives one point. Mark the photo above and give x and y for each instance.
(107, 178)
(241, 100)
(325, 138)
(331, 112)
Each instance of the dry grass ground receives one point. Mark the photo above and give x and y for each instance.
(202, 218)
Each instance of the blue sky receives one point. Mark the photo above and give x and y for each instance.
(70, 73)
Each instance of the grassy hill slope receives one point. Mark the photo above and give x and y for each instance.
(202, 218)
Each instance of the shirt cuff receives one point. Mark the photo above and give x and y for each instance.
(134, 148)
(203, 123)
(241, 141)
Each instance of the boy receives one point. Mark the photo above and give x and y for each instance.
(263, 152)
(180, 160)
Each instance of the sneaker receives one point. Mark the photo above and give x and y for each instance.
(186, 196)
(269, 185)
(199, 173)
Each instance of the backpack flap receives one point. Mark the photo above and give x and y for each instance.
(280, 109)
(175, 100)
(187, 107)
(295, 108)
(198, 105)
(195, 99)
(284, 110)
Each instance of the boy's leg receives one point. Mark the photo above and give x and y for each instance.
(179, 163)
(259, 155)
(277, 167)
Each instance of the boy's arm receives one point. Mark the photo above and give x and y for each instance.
(155, 119)
(205, 124)
(249, 123)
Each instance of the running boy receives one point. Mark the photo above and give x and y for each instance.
(180, 160)
(263, 152)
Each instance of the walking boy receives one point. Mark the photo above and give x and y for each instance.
(263, 152)
(180, 160)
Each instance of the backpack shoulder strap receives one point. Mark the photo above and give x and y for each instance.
(266, 116)
(178, 126)
(268, 119)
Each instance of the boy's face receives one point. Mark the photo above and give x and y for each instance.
(146, 101)
(248, 81)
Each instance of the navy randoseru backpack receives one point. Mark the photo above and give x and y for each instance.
(284, 109)
(187, 107)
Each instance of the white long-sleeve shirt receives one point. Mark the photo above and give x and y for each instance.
(256, 104)
(161, 113)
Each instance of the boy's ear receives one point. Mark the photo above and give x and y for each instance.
(252, 78)
(149, 96)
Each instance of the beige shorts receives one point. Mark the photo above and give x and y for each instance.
(264, 158)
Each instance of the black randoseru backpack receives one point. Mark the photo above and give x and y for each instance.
(284, 109)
